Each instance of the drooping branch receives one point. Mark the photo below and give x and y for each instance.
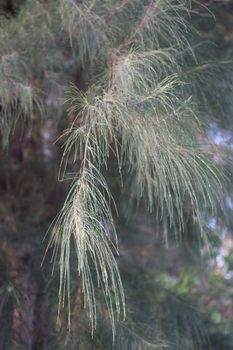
(86, 221)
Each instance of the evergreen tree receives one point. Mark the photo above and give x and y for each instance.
(127, 90)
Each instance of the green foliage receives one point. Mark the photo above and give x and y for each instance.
(140, 106)
(87, 219)
(17, 97)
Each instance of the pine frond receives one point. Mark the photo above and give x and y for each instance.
(86, 27)
(139, 108)
(160, 21)
(86, 221)
(17, 99)
(158, 130)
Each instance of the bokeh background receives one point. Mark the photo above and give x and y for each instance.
(178, 295)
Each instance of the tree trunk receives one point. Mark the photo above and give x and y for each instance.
(31, 326)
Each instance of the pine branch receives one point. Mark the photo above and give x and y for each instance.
(86, 218)
(142, 110)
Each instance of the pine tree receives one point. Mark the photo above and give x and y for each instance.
(124, 88)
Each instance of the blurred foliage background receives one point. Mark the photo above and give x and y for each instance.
(179, 295)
